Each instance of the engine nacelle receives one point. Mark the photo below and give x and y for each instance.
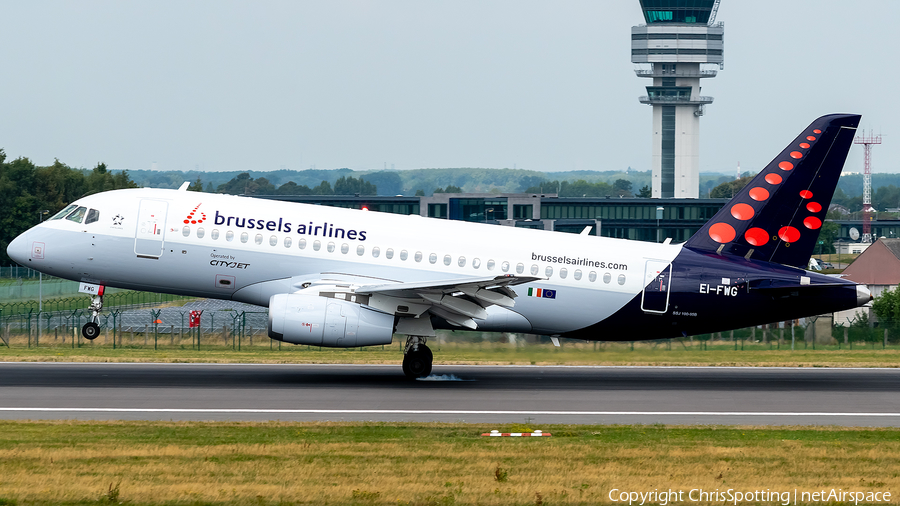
(322, 321)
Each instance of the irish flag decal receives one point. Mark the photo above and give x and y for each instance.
(542, 293)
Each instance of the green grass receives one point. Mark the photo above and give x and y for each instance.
(214, 349)
(181, 463)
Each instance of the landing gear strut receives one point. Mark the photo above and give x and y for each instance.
(417, 358)
(91, 329)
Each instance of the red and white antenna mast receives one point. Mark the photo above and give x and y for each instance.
(868, 141)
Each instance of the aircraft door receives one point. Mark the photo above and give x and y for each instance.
(151, 228)
(657, 284)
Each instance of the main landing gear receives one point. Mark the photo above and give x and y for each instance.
(417, 358)
(91, 329)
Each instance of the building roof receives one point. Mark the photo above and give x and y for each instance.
(879, 264)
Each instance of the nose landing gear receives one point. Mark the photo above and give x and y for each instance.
(91, 329)
(417, 358)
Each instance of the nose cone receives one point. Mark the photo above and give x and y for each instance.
(18, 249)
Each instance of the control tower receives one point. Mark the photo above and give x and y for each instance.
(679, 45)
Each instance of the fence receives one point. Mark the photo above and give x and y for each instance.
(151, 327)
(162, 327)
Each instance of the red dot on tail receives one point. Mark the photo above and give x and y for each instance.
(796, 154)
(187, 221)
(722, 232)
(785, 165)
(759, 194)
(756, 236)
(742, 211)
(789, 234)
(806, 194)
(810, 138)
(817, 131)
(814, 207)
(193, 222)
(812, 223)
(773, 179)
(804, 145)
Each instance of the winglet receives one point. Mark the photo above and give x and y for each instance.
(778, 216)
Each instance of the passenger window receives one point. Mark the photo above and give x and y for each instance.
(462, 262)
(229, 236)
(403, 255)
(273, 240)
(607, 277)
(432, 257)
(317, 244)
(504, 266)
(520, 268)
(361, 250)
(377, 251)
(200, 232)
(245, 237)
(621, 279)
(331, 247)
(548, 272)
(577, 274)
(92, 216)
(592, 276)
(301, 243)
(563, 272)
(214, 235)
(287, 242)
(447, 259)
(258, 239)
(534, 270)
(186, 231)
(418, 256)
(77, 215)
(60, 215)
(345, 248)
(490, 265)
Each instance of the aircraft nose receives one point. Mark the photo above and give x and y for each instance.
(18, 249)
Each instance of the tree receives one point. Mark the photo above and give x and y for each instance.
(450, 189)
(197, 186)
(622, 187)
(352, 186)
(645, 192)
(729, 189)
(420, 193)
(292, 188)
(243, 184)
(388, 183)
(887, 306)
(323, 189)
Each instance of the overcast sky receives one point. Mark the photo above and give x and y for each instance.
(540, 85)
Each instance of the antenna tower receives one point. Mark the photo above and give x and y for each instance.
(868, 141)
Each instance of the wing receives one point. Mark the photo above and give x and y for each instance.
(459, 301)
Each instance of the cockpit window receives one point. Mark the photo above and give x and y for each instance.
(77, 215)
(60, 215)
(92, 216)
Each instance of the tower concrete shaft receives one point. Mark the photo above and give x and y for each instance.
(678, 46)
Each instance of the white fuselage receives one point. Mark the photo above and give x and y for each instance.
(247, 249)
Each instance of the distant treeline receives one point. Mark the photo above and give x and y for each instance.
(27, 190)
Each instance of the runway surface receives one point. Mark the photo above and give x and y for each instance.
(483, 394)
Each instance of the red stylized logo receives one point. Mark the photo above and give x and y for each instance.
(194, 220)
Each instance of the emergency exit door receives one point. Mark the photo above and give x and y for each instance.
(151, 228)
(657, 284)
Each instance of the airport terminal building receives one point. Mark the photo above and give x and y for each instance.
(640, 219)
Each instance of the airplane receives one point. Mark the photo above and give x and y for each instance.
(346, 278)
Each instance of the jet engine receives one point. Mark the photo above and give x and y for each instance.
(322, 321)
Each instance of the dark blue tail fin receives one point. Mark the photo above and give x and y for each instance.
(777, 217)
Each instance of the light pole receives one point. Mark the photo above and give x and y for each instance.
(659, 213)
(40, 285)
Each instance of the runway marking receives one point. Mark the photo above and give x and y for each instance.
(437, 412)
